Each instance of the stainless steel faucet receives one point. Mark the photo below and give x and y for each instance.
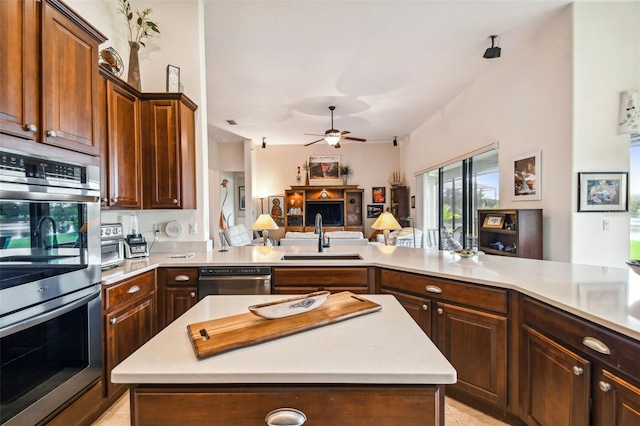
(318, 230)
(41, 239)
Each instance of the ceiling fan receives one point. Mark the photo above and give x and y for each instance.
(333, 136)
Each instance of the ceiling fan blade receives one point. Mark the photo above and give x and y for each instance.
(354, 139)
(313, 134)
(344, 132)
(311, 143)
(337, 145)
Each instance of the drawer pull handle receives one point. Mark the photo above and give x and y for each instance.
(433, 289)
(134, 289)
(182, 278)
(596, 345)
(604, 386)
(425, 307)
(577, 370)
(113, 320)
(285, 416)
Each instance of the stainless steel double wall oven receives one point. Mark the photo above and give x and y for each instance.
(50, 320)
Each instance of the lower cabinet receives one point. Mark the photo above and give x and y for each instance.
(177, 293)
(129, 320)
(307, 280)
(616, 402)
(418, 307)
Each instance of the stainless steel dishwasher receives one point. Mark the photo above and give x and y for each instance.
(233, 280)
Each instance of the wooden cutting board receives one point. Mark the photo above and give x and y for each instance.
(224, 334)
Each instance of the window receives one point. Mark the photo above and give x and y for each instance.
(634, 198)
(453, 194)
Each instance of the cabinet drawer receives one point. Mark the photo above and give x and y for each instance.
(322, 405)
(580, 334)
(478, 296)
(323, 277)
(178, 276)
(128, 290)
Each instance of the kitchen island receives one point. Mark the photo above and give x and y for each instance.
(378, 368)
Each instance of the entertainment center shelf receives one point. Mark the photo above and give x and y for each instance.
(340, 206)
(510, 232)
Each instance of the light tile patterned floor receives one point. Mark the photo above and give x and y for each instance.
(456, 414)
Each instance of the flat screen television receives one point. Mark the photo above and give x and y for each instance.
(332, 213)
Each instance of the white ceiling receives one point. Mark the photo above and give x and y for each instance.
(276, 66)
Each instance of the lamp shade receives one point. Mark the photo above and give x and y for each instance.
(264, 222)
(386, 221)
(629, 115)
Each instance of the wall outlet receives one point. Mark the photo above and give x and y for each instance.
(193, 228)
(605, 225)
(156, 227)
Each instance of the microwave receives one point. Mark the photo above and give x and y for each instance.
(112, 245)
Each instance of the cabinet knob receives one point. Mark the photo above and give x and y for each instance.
(113, 320)
(175, 201)
(114, 200)
(604, 386)
(433, 289)
(193, 294)
(182, 277)
(31, 128)
(425, 307)
(51, 133)
(285, 416)
(577, 370)
(440, 311)
(104, 200)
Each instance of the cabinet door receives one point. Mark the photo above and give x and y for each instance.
(418, 307)
(124, 158)
(475, 343)
(19, 70)
(616, 402)
(170, 155)
(178, 300)
(126, 330)
(555, 383)
(69, 84)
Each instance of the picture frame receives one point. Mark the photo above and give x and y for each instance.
(379, 194)
(173, 79)
(374, 210)
(526, 182)
(603, 192)
(493, 221)
(242, 203)
(324, 168)
(413, 201)
(276, 209)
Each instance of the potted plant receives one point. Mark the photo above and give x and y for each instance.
(345, 171)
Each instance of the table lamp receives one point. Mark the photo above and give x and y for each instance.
(386, 222)
(264, 223)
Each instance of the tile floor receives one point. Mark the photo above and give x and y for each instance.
(456, 414)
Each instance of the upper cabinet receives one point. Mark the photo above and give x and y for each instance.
(49, 77)
(168, 123)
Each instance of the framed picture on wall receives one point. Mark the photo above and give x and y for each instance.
(602, 192)
(373, 211)
(324, 168)
(526, 177)
(276, 209)
(379, 194)
(242, 206)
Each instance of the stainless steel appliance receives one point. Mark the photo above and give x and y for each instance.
(50, 324)
(111, 245)
(234, 280)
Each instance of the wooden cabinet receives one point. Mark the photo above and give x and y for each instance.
(121, 158)
(340, 206)
(129, 320)
(49, 82)
(560, 354)
(400, 204)
(516, 233)
(168, 122)
(177, 293)
(304, 280)
(468, 323)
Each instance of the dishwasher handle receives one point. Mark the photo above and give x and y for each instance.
(235, 277)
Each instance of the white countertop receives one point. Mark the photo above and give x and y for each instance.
(383, 347)
(607, 296)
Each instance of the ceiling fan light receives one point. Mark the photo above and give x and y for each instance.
(332, 139)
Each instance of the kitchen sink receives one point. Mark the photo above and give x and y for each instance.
(321, 256)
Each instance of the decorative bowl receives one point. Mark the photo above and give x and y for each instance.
(634, 264)
(465, 253)
(292, 306)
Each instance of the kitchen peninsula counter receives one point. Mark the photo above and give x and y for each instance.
(375, 368)
(606, 296)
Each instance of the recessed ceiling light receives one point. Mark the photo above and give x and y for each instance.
(232, 122)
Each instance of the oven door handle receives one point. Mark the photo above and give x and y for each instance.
(39, 319)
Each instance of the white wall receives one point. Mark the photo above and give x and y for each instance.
(607, 61)
(523, 102)
(373, 164)
(181, 43)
